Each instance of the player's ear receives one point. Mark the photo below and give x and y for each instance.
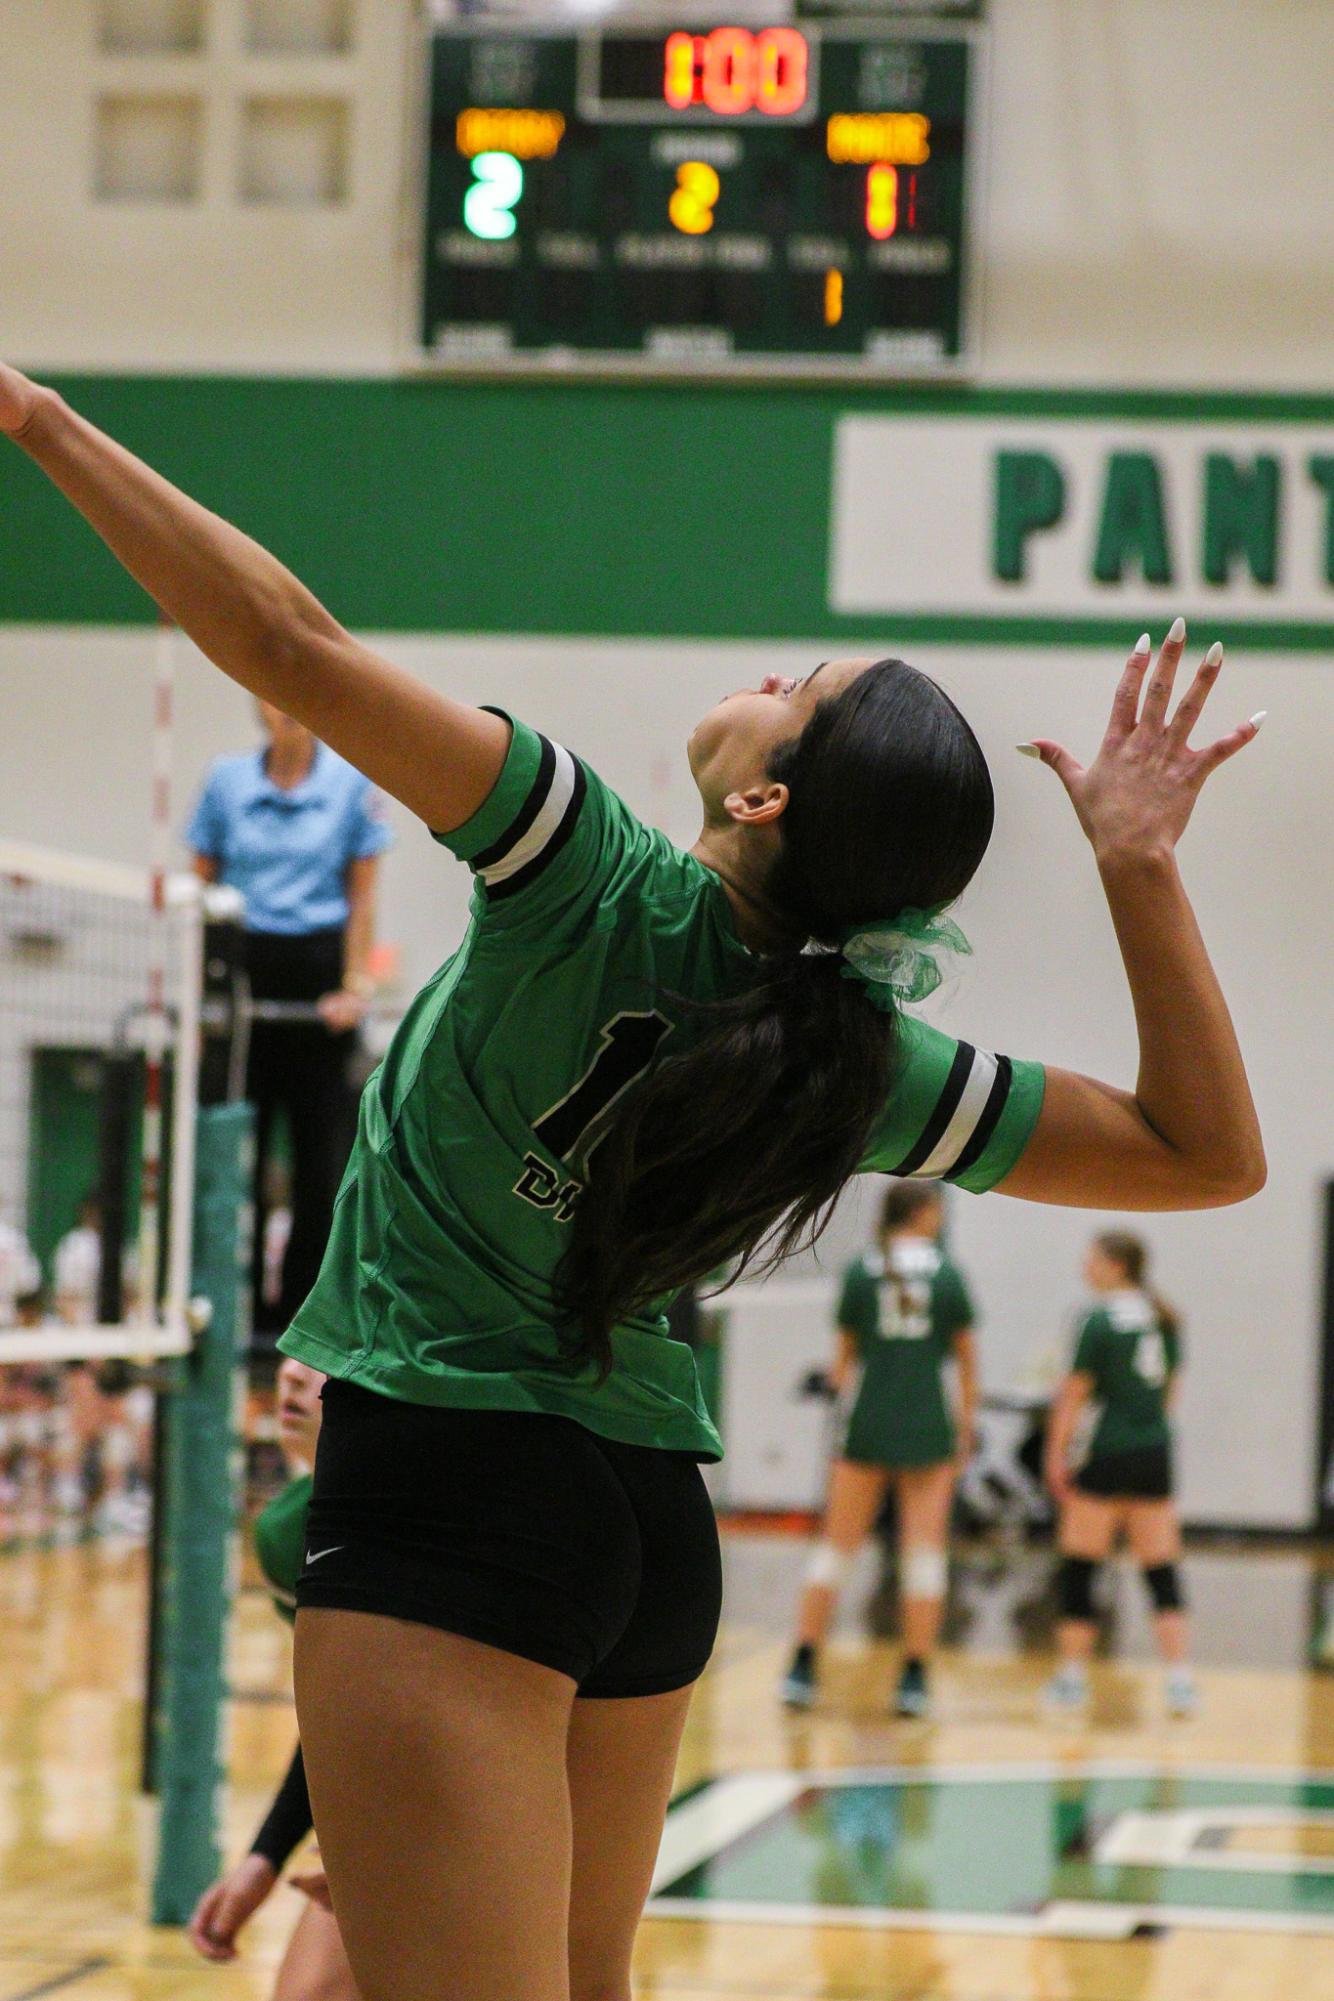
(760, 805)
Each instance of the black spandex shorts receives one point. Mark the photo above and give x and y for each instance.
(1145, 1475)
(524, 1531)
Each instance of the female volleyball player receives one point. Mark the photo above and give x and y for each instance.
(1128, 1362)
(314, 1966)
(632, 1069)
(904, 1315)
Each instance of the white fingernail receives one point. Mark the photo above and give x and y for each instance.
(1177, 633)
(1143, 644)
(1214, 657)
(1028, 750)
(1258, 718)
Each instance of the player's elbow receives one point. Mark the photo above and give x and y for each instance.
(1253, 1175)
(1233, 1181)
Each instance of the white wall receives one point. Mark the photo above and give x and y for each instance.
(1045, 979)
(1158, 206)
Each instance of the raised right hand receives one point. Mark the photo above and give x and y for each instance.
(18, 400)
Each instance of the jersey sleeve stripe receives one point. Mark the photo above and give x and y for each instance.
(951, 1092)
(990, 1119)
(964, 1121)
(551, 846)
(527, 813)
(530, 834)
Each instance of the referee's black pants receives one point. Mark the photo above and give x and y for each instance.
(304, 1071)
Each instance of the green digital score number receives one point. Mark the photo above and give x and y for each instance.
(489, 204)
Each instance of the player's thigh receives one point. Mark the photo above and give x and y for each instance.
(621, 1760)
(437, 1777)
(1088, 1526)
(924, 1495)
(315, 1965)
(1153, 1532)
(856, 1495)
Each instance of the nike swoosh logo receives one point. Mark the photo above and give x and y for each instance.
(314, 1555)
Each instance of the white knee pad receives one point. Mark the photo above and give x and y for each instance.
(829, 1567)
(923, 1573)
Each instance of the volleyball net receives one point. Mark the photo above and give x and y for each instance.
(99, 1059)
(124, 1257)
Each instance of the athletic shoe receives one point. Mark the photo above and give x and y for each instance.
(912, 1696)
(1181, 1693)
(1068, 1690)
(798, 1685)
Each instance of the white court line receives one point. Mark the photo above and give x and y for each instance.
(1039, 1769)
(1057, 1920)
(697, 1830)
(1172, 1838)
(733, 1806)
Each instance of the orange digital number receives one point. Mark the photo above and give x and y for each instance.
(728, 83)
(678, 83)
(731, 71)
(783, 60)
(692, 203)
(882, 201)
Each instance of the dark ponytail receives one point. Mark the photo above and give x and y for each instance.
(1132, 1254)
(737, 1147)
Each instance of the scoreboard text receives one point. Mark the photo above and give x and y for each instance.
(720, 196)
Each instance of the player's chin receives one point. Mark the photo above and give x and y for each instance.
(712, 730)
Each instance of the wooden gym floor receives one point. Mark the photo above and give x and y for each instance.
(923, 1825)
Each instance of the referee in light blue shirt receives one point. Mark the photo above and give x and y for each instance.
(299, 833)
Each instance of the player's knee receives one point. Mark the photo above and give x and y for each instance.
(1163, 1583)
(923, 1572)
(600, 1989)
(829, 1566)
(1075, 1587)
(599, 1976)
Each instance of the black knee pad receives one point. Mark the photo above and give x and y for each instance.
(1164, 1585)
(1075, 1587)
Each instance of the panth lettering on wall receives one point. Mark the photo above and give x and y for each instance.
(1078, 518)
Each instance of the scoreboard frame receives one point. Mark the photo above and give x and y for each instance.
(569, 363)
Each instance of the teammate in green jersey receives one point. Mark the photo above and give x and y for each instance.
(904, 1316)
(1127, 1364)
(641, 1062)
(314, 1966)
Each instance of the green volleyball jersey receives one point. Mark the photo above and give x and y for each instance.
(474, 1135)
(1132, 1356)
(905, 1308)
(280, 1542)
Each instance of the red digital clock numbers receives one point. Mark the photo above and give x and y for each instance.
(731, 71)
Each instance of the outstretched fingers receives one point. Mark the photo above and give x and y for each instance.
(1228, 746)
(1159, 691)
(1192, 702)
(1125, 703)
(1066, 766)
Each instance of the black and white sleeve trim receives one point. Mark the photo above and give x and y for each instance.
(540, 828)
(966, 1115)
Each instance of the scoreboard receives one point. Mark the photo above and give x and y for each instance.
(791, 198)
